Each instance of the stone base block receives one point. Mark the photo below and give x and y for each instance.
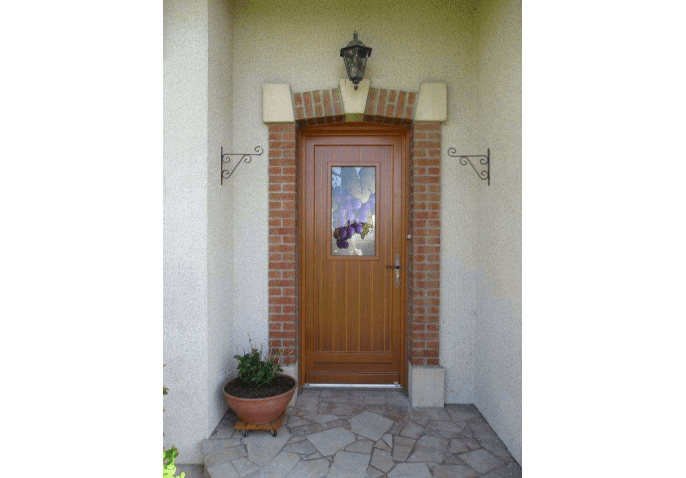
(292, 370)
(426, 386)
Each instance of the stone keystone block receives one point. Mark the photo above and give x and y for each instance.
(354, 101)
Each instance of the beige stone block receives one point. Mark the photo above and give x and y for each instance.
(426, 386)
(432, 103)
(277, 105)
(354, 101)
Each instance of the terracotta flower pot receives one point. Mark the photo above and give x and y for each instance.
(257, 411)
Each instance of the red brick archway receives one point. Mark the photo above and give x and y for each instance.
(423, 295)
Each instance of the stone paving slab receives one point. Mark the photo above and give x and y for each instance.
(382, 460)
(331, 408)
(429, 448)
(361, 446)
(301, 447)
(382, 445)
(480, 460)
(225, 455)
(511, 470)
(410, 470)
(223, 430)
(280, 466)
(310, 469)
(191, 471)
(458, 446)
(488, 439)
(454, 471)
(349, 465)
(360, 433)
(444, 429)
(244, 467)
(412, 430)
(262, 446)
(402, 448)
(323, 418)
(374, 473)
(330, 441)
(222, 470)
(370, 425)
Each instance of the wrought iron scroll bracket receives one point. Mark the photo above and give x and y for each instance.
(244, 157)
(484, 160)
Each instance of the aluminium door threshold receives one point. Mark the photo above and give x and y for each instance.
(354, 385)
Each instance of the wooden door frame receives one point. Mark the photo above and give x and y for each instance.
(349, 130)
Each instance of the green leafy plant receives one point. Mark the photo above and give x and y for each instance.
(169, 456)
(168, 466)
(256, 371)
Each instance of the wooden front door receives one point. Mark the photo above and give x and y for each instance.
(352, 252)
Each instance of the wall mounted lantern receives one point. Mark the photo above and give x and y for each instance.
(355, 58)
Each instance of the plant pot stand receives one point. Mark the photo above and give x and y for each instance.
(273, 426)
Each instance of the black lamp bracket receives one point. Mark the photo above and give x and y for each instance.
(244, 157)
(484, 160)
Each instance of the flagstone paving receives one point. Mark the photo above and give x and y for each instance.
(350, 433)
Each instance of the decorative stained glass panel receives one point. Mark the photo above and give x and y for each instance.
(353, 210)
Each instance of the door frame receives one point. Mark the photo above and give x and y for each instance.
(357, 129)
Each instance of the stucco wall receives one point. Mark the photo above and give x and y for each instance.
(185, 226)
(413, 42)
(198, 254)
(498, 345)
(217, 57)
(221, 344)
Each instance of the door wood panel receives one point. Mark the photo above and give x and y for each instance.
(352, 314)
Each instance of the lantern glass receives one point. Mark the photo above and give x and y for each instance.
(355, 59)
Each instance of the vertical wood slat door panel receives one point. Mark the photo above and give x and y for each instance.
(352, 330)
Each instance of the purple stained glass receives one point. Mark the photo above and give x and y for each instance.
(353, 210)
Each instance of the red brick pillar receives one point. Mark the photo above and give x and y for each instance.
(425, 227)
(283, 216)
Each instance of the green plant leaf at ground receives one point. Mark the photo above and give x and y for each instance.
(168, 466)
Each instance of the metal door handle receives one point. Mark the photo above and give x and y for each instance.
(397, 270)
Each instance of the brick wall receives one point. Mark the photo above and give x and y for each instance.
(424, 252)
(390, 106)
(283, 246)
(318, 107)
(423, 299)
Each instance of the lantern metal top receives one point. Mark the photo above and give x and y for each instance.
(365, 51)
(355, 41)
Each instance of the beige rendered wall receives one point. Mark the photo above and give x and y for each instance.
(217, 57)
(185, 226)
(498, 345)
(220, 204)
(298, 43)
(198, 253)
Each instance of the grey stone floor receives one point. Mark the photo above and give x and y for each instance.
(348, 433)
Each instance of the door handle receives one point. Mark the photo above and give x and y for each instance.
(397, 270)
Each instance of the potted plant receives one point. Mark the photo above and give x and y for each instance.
(260, 393)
